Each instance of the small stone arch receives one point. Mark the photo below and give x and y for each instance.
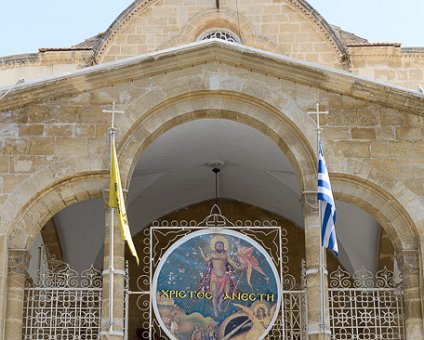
(224, 19)
(212, 19)
(44, 205)
(391, 214)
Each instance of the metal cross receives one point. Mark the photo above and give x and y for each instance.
(318, 112)
(113, 111)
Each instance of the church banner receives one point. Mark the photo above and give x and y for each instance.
(216, 285)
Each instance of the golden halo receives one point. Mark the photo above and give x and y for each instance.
(215, 239)
(260, 304)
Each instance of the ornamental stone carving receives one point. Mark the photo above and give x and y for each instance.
(310, 203)
(18, 261)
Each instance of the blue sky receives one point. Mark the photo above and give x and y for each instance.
(377, 20)
(27, 25)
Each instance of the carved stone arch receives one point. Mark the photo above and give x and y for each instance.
(44, 205)
(238, 107)
(29, 191)
(212, 19)
(389, 212)
(224, 19)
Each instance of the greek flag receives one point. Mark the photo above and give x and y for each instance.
(327, 206)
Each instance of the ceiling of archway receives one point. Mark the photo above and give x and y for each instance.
(175, 171)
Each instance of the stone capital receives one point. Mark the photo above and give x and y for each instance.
(310, 203)
(18, 261)
(408, 261)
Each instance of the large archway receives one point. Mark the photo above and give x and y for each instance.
(281, 127)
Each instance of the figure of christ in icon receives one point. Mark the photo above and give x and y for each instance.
(219, 275)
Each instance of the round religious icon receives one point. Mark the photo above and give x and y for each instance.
(216, 286)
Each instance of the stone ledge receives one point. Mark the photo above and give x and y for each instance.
(202, 52)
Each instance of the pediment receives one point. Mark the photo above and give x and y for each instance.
(209, 52)
(288, 27)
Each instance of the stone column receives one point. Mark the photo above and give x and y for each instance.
(409, 265)
(3, 284)
(116, 331)
(18, 261)
(315, 330)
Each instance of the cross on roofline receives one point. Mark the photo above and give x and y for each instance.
(113, 111)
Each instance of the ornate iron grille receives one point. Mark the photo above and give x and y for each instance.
(267, 233)
(364, 306)
(294, 315)
(63, 304)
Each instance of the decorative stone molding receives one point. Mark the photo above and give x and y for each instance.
(18, 261)
(61, 194)
(43, 58)
(408, 261)
(309, 203)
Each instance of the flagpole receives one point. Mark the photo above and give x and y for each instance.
(112, 133)
(321, 253)
(116, 202)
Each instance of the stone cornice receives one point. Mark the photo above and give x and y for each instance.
(49, 56)
(20, 59)
(202, 52)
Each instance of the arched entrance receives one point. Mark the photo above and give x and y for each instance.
(280, 129)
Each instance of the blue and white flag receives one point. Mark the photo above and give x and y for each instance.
(327, 206)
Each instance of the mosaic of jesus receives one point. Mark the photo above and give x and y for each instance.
(216, 286)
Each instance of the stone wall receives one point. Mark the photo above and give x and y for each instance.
(42, 65)
(389, 63)
(285, 27)
(54, 135)
(43, 144)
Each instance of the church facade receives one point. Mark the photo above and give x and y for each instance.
(199, 85)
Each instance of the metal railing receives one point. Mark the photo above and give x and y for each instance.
(62, 304)
(364, 306)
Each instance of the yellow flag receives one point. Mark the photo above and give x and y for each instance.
(116, 200)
